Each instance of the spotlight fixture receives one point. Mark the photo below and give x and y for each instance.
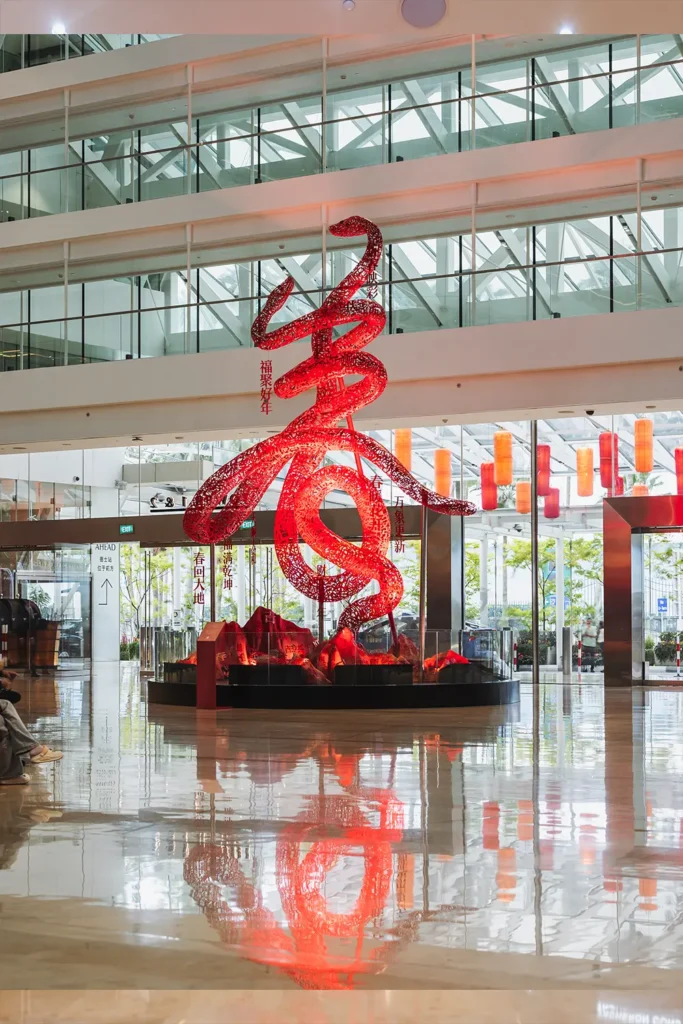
(423, 13)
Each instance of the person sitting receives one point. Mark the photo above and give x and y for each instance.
(6, 692)
(18, 747)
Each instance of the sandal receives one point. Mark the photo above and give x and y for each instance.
(46, 755)
(19, 780)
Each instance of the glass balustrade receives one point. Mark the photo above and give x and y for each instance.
(132, 318)
(586, 89)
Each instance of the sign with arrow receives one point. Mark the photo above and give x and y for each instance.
(106, 587)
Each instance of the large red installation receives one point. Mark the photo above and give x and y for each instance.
(308, 439)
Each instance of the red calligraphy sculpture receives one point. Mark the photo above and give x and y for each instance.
(308, 439)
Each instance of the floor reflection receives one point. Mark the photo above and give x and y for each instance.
(350, 850)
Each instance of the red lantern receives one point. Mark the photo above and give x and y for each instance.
(619, 489)
(523, 498)
(489, 491)
(584, 472)
(502, 457)
(678, 456)
(640, 491)
(543, 469)
(609, 459)
(551, 506)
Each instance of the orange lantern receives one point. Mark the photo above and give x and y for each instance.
(642, 433)
(678, 456)
(502, 458)
(525, 820)
(647, 890)
(442, 472)
(584, 472)
(489, 491)
(543, 469)
(491, 824)
(403, 447)
(640, 491)
(523, 498)
(551, 505)
(506, 879)
(587, 846)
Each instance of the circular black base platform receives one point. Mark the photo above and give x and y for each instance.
(339, 697)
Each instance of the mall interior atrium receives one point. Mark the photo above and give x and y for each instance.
(341, 512)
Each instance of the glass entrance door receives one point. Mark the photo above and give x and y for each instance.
(46, 607)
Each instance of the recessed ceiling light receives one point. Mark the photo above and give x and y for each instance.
(18, 448)
(566, 30)
(348, 5)
(650, 406)
(59, 28)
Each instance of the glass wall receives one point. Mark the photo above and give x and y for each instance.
(29, 51)
(586, 86)
(577, 266)
(582, 460)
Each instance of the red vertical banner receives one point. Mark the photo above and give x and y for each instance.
(399, 527)
(266, 385)
(226, 566)
(199, 577)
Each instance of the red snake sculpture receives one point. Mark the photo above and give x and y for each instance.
(308, 439)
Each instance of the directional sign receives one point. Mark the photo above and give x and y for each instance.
(106, 587)
(662, 605)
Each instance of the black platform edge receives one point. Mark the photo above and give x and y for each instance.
(343, 698)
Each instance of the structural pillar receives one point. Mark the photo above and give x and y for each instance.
(484, 581)
(559, 599)
(445, 573)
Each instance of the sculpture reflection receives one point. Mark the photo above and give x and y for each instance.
(235, 907)
(299, 928)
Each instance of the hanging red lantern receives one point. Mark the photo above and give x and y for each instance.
(678, 456)
(442, 472)
(551, 505)
(640, 491)
(643, 438)
(609, 459)
(584, 472)
(619, 489)
(523, 498)
(489, 491)
(502, 458)
(543, 469)
(403, 447)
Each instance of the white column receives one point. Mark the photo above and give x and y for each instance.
(105, 758)
(559, 597)
(106, 584)
(484, 581)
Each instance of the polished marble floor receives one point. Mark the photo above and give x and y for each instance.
(322, 867)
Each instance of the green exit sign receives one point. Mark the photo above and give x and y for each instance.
(126, 528)
(247, 524)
